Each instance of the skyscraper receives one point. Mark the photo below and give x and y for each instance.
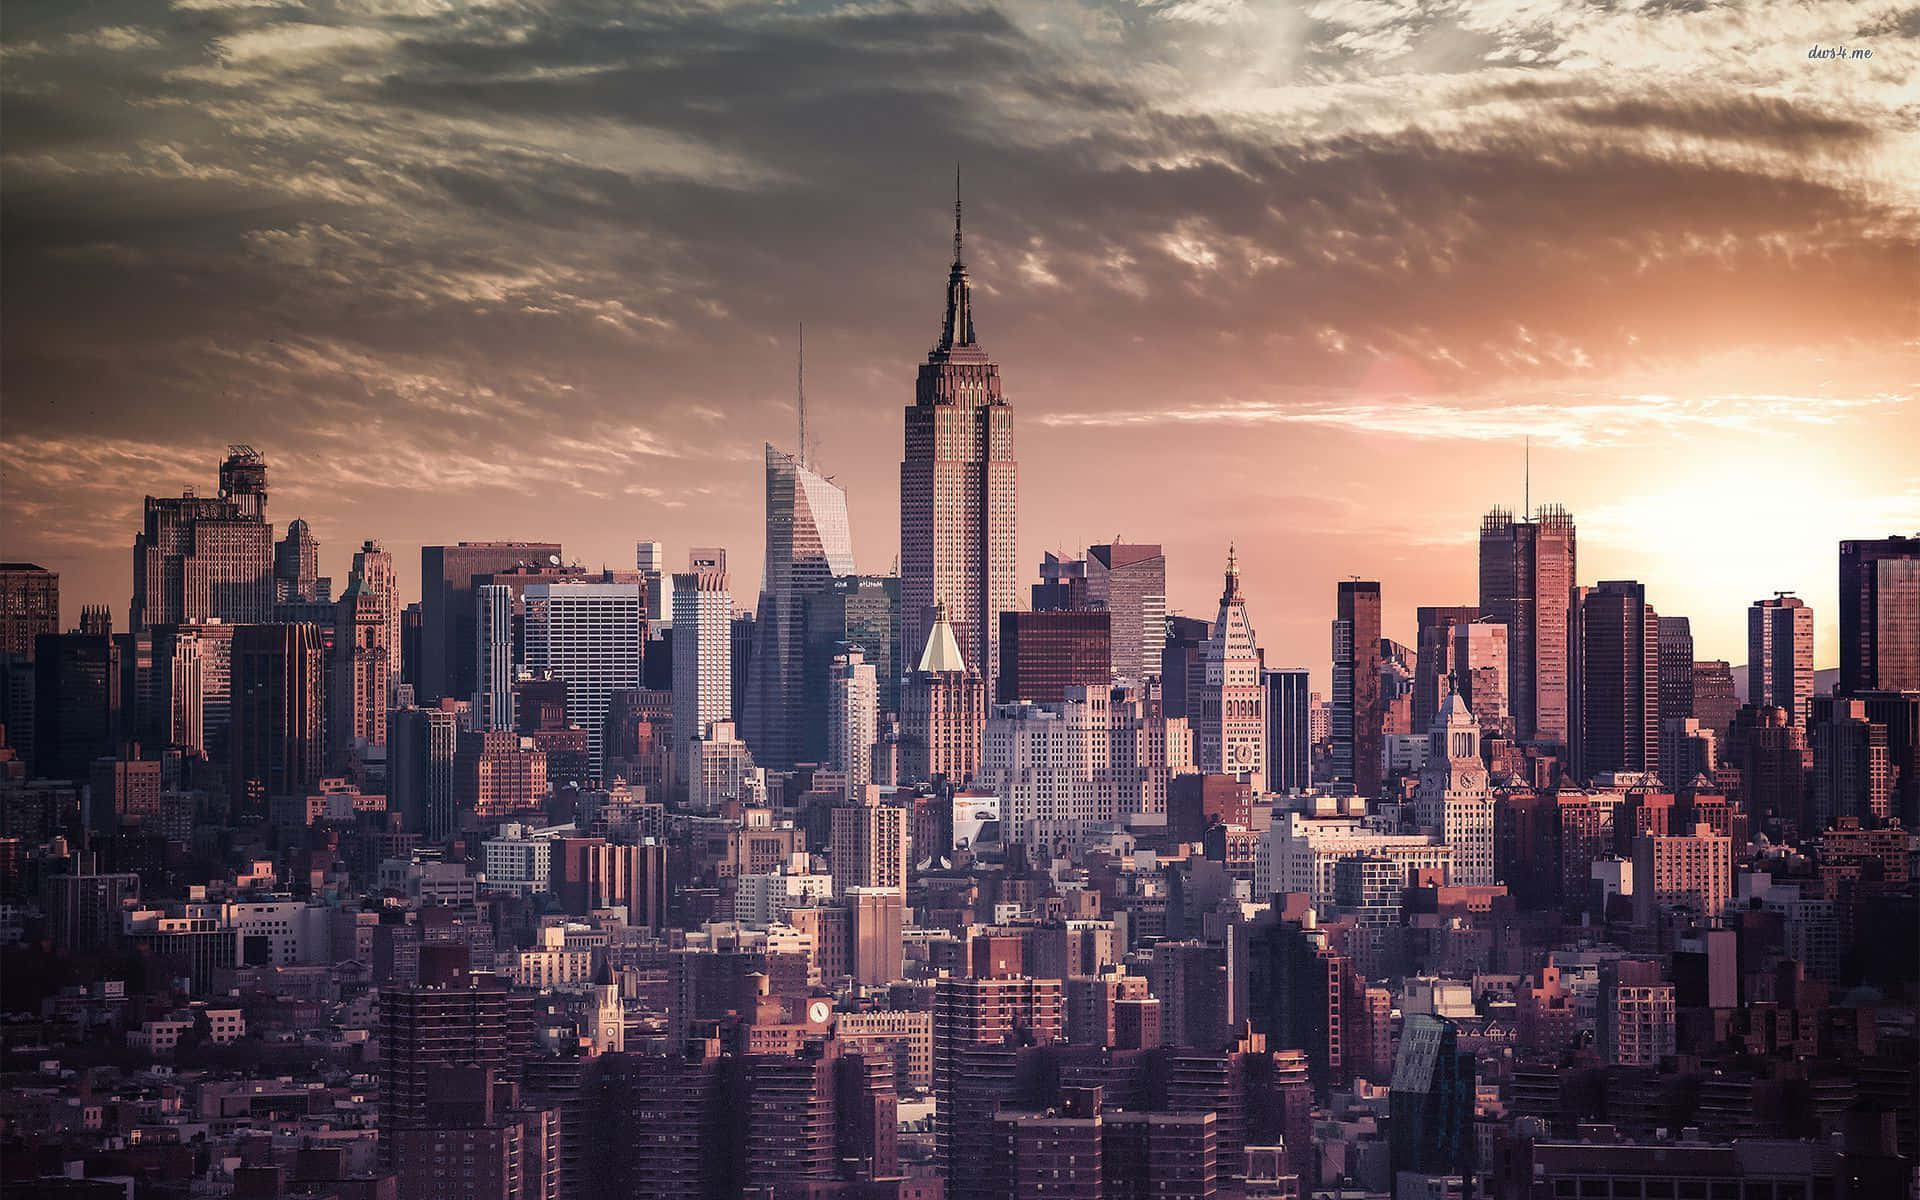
(702, 648)
(1479, 663)
(29, 606)
(1289, 730)
(590, 635)
(1616, 676)
(1355, 731)
(853, 610)
(296, 565)
(373, 572)
(493, 656)
(1880, 615)
(361, 678)
(1453, 799)
(1129, 580)
(77, 703)
(808, 544)
(279, 706)
(867, 846)
(199, 559)
(1433, 656)
(1780, 655)
(1230, 736)
(852, 719)
(942, 711)
(446, 607)
(1042, 654)
(421, 745)
(958, 484)
(1527, 574)
(650, 559)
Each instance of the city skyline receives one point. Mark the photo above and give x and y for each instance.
(1717, 295)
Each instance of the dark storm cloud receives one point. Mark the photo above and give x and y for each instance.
(560, 248)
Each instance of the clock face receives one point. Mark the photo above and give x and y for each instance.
(817, 1012)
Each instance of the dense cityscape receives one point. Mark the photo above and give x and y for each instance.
(557, 883)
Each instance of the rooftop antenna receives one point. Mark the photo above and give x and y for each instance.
(800, 385)
(1526, 514)
(956, 214)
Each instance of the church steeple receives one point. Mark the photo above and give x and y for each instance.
(957, 330)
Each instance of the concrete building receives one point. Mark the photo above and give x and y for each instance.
(1129, 581)
(942, 711)
(867, 846)
(852, 720)
(1692, 870)
(207, 559)
(591, 635)
(1480, 661)
(702, 647)
(447, 611)
(29, 606)
(1433, 656)
(279, 713)
(1046, 763)
(494, 657)
(1453, 799)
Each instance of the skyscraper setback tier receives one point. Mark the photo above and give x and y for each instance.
(958, 484)
(1880, 615)
(808, 544)
(1527, 575)
(200, 559)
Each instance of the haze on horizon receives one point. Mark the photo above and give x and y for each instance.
(1297, 277)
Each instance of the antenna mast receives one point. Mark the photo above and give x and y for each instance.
(1526, 513)
(800, 385)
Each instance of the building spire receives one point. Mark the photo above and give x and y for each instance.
(957, 329)
(957, 259)
(800, 386)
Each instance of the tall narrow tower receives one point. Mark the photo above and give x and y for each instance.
(1230, 737)
(957, 486)
(808, 543)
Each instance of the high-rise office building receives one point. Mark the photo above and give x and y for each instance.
(1146, 749)
(1129, 581)
(1527, 575)
(1289, 730)
(446, 607)
(361, 677)
(1853, 767)
(650, 559)
(1432, 1100)
(1616, 680)
(589, 634)
(201, 559)
(374, 573)
(852, 720)
(702, 646)
(1714, 700)
(1780, 655)
(29, 606)
(493, 656)
(853, 610)
(809, 543)
(958, 481)
(1676, 668)
(1183, 666)
(1230, 734)
(296, 566)
(1433, 656)
(421, 745)
(1880, 615)
(279, 713)
(1453, 799)
(1355, 716)
(943, 711)
(498, 773)
(77, 705)
(1045, 653)
(1062, 586)
(1479, 662)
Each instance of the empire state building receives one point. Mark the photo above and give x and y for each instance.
(957, 488)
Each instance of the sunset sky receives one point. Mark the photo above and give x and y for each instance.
(1301, 276)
